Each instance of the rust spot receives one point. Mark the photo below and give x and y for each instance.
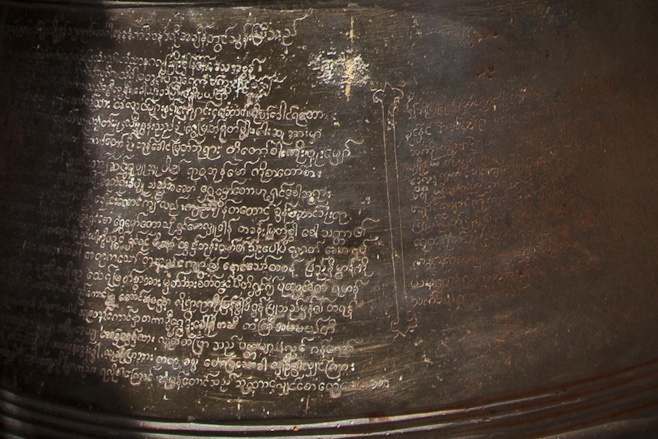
(487, 71)
(378, 417)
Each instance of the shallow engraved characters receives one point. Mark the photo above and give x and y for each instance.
(212, 248)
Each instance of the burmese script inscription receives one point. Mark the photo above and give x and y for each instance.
(260, 212)
(192, 228)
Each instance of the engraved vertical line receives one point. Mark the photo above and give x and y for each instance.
(390, 212)
(392, 177)
(399, 218)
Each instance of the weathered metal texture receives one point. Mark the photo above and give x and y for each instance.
(420, 219)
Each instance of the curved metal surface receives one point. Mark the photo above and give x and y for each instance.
(603, 402)
(280, 219)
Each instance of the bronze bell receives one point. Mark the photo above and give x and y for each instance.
(331, 219)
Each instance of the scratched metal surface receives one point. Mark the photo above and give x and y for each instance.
(461, 240)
